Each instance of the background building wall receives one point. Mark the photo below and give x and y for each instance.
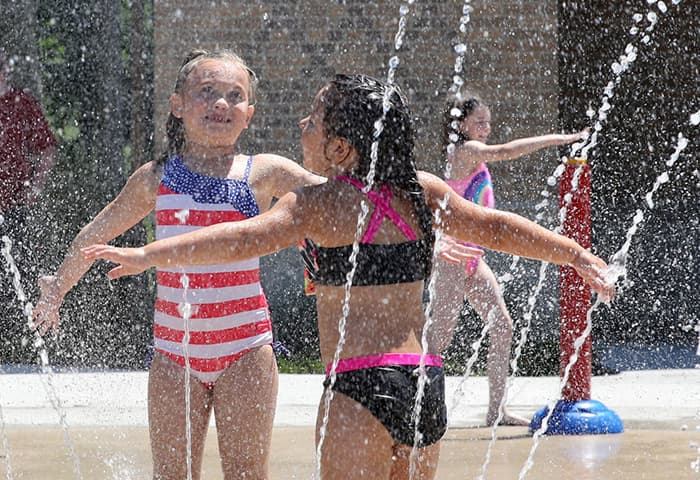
(296, 46)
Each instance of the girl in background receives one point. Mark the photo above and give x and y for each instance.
(467, 125)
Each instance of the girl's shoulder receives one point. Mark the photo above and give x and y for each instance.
(282, 171)
(267, 160)
(149, 174)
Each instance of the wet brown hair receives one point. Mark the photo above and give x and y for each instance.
(174, 128)
(457, 108)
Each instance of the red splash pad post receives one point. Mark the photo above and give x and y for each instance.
(576, 413)
(574, 294)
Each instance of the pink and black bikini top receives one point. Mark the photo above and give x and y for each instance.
(377, 264)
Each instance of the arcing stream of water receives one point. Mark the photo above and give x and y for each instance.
(46, 370)
(185, 310)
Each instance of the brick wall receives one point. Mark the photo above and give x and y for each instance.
(296, 46)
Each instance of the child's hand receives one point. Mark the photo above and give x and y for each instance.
(46, 312)
(454, 252)
(594, 272)
(132, 261)
(584, 134)
(575, 137)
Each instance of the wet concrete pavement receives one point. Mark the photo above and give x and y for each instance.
(106, 418)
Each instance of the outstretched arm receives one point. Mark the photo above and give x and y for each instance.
(511, 233)
(134, 202)
(274, 230)
(477, 152)
(454, 252)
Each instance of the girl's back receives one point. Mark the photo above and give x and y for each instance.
(383, 317)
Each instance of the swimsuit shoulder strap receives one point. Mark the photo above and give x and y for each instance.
(382, 208)
(248, 167)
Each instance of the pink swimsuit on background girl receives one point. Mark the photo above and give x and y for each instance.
(476, 188)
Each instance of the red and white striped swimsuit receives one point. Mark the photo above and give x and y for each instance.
(229, 314)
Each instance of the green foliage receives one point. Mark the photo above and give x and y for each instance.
(298, 364)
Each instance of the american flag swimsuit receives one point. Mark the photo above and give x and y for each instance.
(223, 306)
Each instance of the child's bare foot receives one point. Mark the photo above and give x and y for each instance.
(508, 420)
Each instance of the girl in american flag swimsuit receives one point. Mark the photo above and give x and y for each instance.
(212, 322)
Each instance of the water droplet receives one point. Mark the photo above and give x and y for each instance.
(460, 49)
(505, 278)
(637, 17)
(558, 171)
(662, 7)
(403, 10)
(694, 119)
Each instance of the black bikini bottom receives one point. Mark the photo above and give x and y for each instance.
(389, 393)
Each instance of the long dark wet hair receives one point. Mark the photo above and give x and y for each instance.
(457, 108)
(352, 105)
(174, 128)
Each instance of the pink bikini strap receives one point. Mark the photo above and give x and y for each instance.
(382, 208)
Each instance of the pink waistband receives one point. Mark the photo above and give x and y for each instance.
(384, 359)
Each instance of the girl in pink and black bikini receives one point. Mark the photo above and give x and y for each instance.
(371, 428)
(467, 125)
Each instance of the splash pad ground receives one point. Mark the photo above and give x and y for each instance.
(106, 417)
